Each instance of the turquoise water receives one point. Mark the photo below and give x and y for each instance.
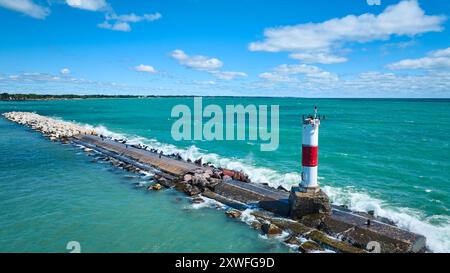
(390, 156)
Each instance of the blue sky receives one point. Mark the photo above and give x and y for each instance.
(322, 48)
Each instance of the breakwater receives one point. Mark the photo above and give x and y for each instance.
(234, 188)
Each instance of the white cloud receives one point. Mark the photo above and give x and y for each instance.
(118, 26)
(27, 7)
(320, 57)
(65, 71)
(196, 62)
(145, 68)
(92, 5)
(205, 82)
(133, 18)
(284, 73)
(204, 63)
(274, 77)
(294, 81)
(405, 18)
(439, 59)
(122, 22)
(228, 75)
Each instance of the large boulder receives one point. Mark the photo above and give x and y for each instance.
(191, 190)
(310, 247)
(271, 229)
(233, 213)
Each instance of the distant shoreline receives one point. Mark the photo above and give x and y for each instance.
(49, 97)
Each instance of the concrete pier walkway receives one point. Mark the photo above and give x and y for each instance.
(161, 162)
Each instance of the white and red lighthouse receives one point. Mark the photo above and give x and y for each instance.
(307, 198)
(310, 148)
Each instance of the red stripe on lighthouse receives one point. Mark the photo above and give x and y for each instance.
(309, 156)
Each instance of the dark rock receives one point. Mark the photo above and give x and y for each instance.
(213, 182)
(309, 247)
(198, 162)
(197, 200)
(256, 225)
(233, 213)
(293, 227)
(271, 229)
(192, 190)
(181, 186)
(157, 176)
(292, 240)
(166, 182)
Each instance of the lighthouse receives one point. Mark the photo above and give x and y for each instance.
(310, 148)
(307, 198)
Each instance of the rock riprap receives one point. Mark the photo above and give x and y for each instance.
(53, 128)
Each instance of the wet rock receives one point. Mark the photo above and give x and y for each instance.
(293, 227)
(191, 190)
(157, 177)
(197, 200)
(198, 162)
(155, 187)
(271, 229)
(256, 225)
(166, 182)
(181, 186)
(233, 213)
(310, 247)
(292, 240)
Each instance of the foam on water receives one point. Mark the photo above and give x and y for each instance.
(436, 229)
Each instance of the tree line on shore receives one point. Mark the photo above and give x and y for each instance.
(7, 96)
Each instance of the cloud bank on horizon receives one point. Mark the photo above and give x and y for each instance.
(400, 49)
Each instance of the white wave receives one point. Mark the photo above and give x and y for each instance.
(247, 217)
(208, 203)
(437, 235)
(436, 229)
